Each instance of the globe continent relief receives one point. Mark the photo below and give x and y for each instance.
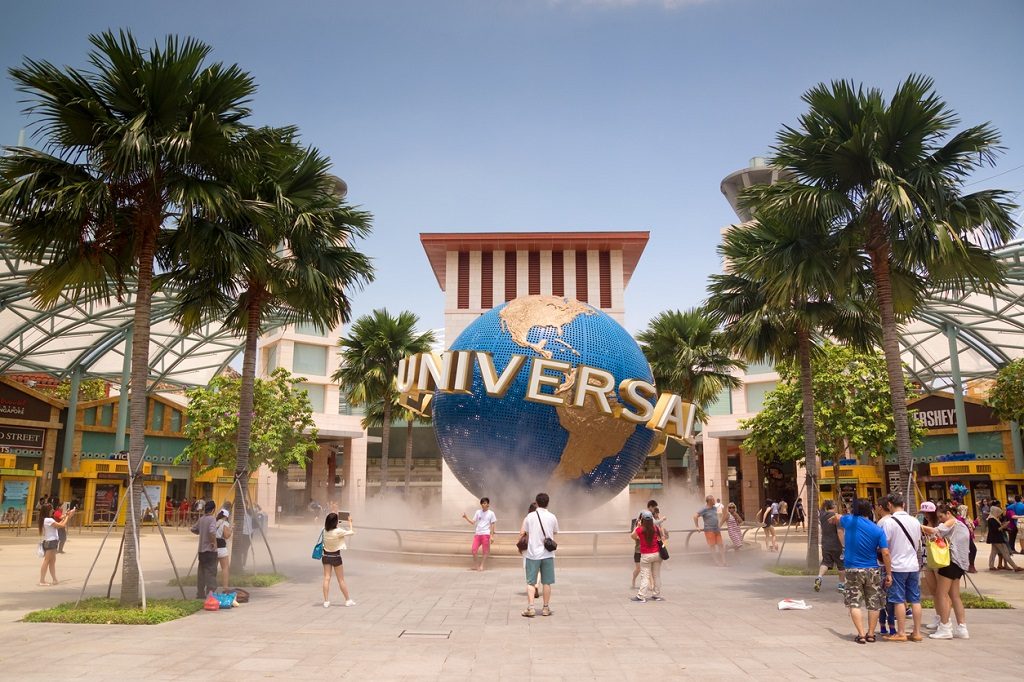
(513, 447)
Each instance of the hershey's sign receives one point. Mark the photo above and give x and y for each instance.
(937, 419)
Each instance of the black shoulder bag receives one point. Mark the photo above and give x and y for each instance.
(549, 543)
(917, 548)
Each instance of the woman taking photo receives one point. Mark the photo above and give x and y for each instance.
(947, 578)
(50, 542)
(334, 542)
(222, 531)
(649, 536)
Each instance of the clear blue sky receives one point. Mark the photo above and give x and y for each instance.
(480, 115)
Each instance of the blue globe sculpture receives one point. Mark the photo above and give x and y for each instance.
(515, 448)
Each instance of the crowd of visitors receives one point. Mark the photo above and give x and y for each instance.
(886, 558)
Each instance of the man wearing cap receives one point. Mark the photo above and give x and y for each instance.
(205, 528)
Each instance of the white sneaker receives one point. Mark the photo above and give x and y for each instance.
(960, 632)
(327, 604)
(350, 603)
(933, 625)
(944, 631)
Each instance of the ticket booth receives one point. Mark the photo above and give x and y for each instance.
(17, 492)
(856, 480)
(100, 484)
(218, 484)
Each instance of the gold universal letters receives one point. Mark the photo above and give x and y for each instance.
(422, 375)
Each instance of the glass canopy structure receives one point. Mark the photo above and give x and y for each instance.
(92, 338)
(967, 336)
(971, 335)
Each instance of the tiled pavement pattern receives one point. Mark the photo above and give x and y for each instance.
(461, 625)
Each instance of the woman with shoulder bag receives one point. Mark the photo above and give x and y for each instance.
(222, 532)
(334, 542)
(50, 542)
(947, 590)
(996, 540)
(650, 538)
(963, 517)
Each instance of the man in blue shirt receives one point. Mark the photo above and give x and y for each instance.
(866, 547)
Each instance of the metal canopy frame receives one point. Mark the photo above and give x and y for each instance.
(91, 335)
(989, 328)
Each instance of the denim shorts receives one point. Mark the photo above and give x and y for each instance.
(905, 588)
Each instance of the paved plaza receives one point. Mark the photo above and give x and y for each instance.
(428, 622)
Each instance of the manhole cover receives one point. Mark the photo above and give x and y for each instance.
(426, 634)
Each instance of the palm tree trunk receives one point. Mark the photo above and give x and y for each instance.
(408, 456)
(810, 448)
(240, 541)
(879, 250)
(385, 442)
(664, 474)
(130, 593)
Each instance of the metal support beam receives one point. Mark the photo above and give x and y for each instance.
(963, 442)
(1018, 449)
(122, 402)
(69, 425)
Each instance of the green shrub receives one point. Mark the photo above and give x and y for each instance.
(793, 570)
(972, 601)
(102, 611)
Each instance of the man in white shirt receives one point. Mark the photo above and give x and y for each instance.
(484, 520)
(903, 534)
(539, 527)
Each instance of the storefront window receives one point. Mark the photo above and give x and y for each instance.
(105, 502)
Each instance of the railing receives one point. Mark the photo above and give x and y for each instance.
(594, 534)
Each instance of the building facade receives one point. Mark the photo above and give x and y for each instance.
(337, 472)
(477, 271)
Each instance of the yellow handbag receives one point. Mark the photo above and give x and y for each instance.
(938, 553)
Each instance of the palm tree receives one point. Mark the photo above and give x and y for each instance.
(689, 357)
(375, 419)
(783, 290)
(892, 176)
(133, 146)
(283, 254)
(369, 364)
